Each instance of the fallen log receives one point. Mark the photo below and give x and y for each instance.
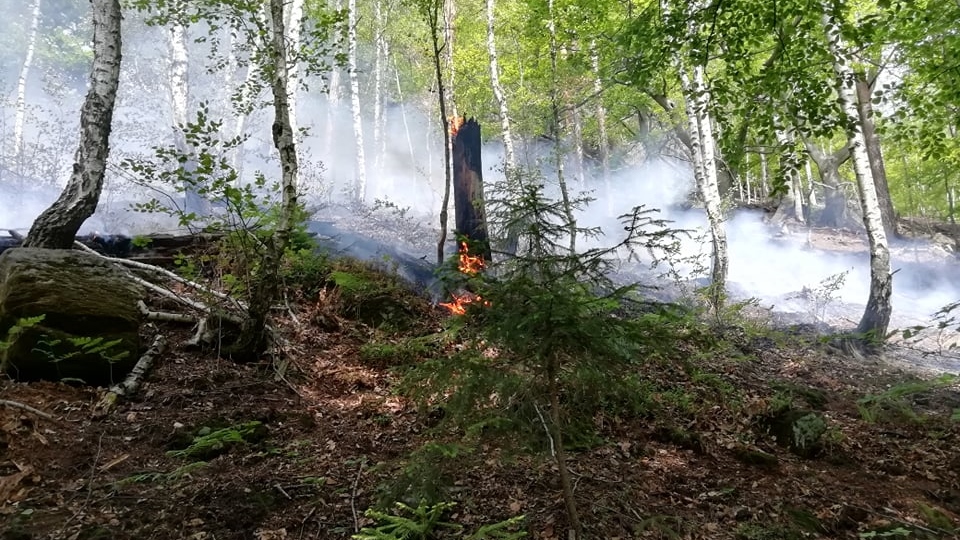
(132, 383)
(155, 246)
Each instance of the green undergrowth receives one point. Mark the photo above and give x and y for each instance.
(427, 521)
(899, 403)
(208, 443)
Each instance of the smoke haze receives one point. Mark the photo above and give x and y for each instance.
(776, 268)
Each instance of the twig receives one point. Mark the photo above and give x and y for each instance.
(281, 490)
(29, 409)
(353, 500)
(163, 316)
(553, 451)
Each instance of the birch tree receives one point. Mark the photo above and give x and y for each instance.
(690, 60)
(360, 167)
(876, 317)
(20, 112)
(254, 338)
(57, 226)
(510, 157)
(556, 134)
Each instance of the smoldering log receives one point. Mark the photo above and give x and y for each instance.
(471, 220)
(162, 247)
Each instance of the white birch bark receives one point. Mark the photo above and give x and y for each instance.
(403, 113)
(876, 316)
(449, 15)
(177, 73)
(812, 192)
(603, 139)
(20, 112)
(334, 98)
(576, 124)
(764, 177)
(294, 20)
(57, 226)
(360, 171)
(749, 178)
(245, 103)
(793, 201)
(557, 146)
(709, 185)
(378, 68)
(253, 339)
(510, 156)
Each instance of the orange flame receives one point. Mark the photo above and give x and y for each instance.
(455, 123)
(460, 301)
(469, 265)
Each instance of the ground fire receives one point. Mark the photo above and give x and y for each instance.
(468, 265)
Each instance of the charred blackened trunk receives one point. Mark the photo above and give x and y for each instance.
(471, 219)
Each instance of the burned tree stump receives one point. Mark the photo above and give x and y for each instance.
(471, 220)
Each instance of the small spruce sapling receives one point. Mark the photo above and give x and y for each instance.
(550, 320)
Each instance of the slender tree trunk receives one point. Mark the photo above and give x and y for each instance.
(560, 453)
(764, 177)
(877, 168)
(951, 200)
(812, 192)
(57, 226)
(705, 172)
(246, 102)
(510, 157)
(557, 146)
(360, 171)
(876, 317)
(835, 200)
(178, 71)
(403, 113)
(576, 122)
(21, 105)
(449, 16)
(254, 337)
(379, 58)
(603, 140)
(432, 16)
(747, 178)
(334, 97)
(793, 200)
(294, 25)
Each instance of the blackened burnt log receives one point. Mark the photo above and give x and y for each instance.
(471, 220)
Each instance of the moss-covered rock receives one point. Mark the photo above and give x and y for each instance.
(90, 320)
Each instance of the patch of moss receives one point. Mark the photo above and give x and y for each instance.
(208, 444)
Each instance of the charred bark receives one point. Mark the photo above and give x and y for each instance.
(470, 219)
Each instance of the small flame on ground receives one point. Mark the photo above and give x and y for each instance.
(469, 265)
(460, 301)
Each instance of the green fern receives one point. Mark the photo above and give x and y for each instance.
(425, 522)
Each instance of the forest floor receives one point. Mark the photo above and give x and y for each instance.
(301, 447)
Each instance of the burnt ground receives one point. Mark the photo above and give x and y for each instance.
(325, 435)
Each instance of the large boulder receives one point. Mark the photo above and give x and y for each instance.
(86, 304)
